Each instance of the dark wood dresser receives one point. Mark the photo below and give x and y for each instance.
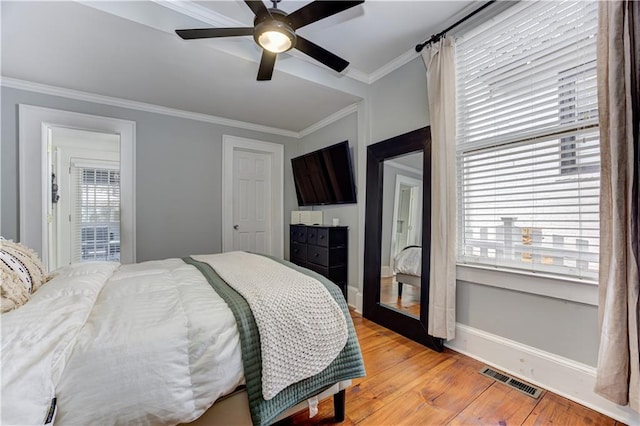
(323, 249)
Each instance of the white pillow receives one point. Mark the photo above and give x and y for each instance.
(22, 274)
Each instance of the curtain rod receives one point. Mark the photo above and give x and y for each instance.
(437, 37)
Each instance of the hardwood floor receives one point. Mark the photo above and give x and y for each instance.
(408, 384)
(408, 303)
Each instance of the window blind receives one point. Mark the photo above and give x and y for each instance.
(96, 213)
(527, 140)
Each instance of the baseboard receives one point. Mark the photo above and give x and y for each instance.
(568, 378)
(354, 298)
(386, 272)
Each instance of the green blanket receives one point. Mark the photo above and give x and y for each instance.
(348, 364)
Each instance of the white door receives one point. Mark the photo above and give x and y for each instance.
(252, 196)
(251, 201)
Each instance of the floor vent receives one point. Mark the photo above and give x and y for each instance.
(525, 388)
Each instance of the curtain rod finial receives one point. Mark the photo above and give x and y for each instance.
(419, 47)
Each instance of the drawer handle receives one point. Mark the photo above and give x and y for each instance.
(316, 255)
(311, 235)
(321, 237)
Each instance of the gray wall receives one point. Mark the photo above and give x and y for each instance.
(398, 104)
(341, 130)
(178, 174)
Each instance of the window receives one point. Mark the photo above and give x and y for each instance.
(528, 141)
(97, 213)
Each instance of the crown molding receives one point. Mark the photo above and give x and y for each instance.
(45, 89)
(140, 106)
(200, 13)
(330, 119)
(390, 67)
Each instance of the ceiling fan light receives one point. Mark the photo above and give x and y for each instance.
(275, 41)
(274, 36)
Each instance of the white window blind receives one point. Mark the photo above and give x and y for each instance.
(527, 140)
(96, 213)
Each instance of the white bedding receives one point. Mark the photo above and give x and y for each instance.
(409, 261)
(53, 346)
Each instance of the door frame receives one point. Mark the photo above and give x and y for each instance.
(276, 152)
(413, 183)
(35, 186)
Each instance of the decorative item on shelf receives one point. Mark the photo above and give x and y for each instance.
(336, 221)
(306, 217)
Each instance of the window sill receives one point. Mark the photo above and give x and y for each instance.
(544, 285)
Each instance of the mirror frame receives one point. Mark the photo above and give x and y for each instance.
(394, 319)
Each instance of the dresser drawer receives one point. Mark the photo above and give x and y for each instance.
(323, 237)
(312, 235)
(298, 251)
(298, 233)
(318, 255)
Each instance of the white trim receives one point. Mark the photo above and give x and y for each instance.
(230, 144)
(385, 272)
(34, 123)
(526, 282)
(393, 65)
(364, 136)
(403, 167)
(565, 377)
(140, 106)
(413, 183)
(156, 109)
(201, 13)
(344, 112)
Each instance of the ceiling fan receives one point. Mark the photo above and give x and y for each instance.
(275, 31)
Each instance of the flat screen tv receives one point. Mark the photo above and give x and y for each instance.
(325, 176)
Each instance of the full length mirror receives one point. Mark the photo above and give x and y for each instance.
(397, 235)
(401, 251)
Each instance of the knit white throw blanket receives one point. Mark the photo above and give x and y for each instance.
(302, 328)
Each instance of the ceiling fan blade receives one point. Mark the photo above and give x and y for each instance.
(318, 10)
(257, 7)
(267, 63)
(320, 54)
(214, 32)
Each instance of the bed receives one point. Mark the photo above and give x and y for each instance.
(160, 342)
(408, 267)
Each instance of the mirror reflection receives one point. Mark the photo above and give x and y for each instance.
(402, 233)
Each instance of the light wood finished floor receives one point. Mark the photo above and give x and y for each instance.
(408, 303)
(408, 384)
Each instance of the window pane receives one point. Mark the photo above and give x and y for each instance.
(528, 141)
(98, 210)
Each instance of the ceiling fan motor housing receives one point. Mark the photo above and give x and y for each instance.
(276, 21)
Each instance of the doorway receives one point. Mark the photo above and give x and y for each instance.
(252, 194)
(35, 174)
(84, 208)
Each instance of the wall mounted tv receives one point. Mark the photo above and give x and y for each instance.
(325, 176)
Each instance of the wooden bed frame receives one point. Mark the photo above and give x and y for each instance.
(413, 280)
(233, 409)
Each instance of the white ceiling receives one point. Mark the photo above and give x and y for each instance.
(128, 50)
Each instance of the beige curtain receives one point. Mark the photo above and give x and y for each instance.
(439, 59)
(618, 376)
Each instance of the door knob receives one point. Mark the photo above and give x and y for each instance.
(235, 227)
